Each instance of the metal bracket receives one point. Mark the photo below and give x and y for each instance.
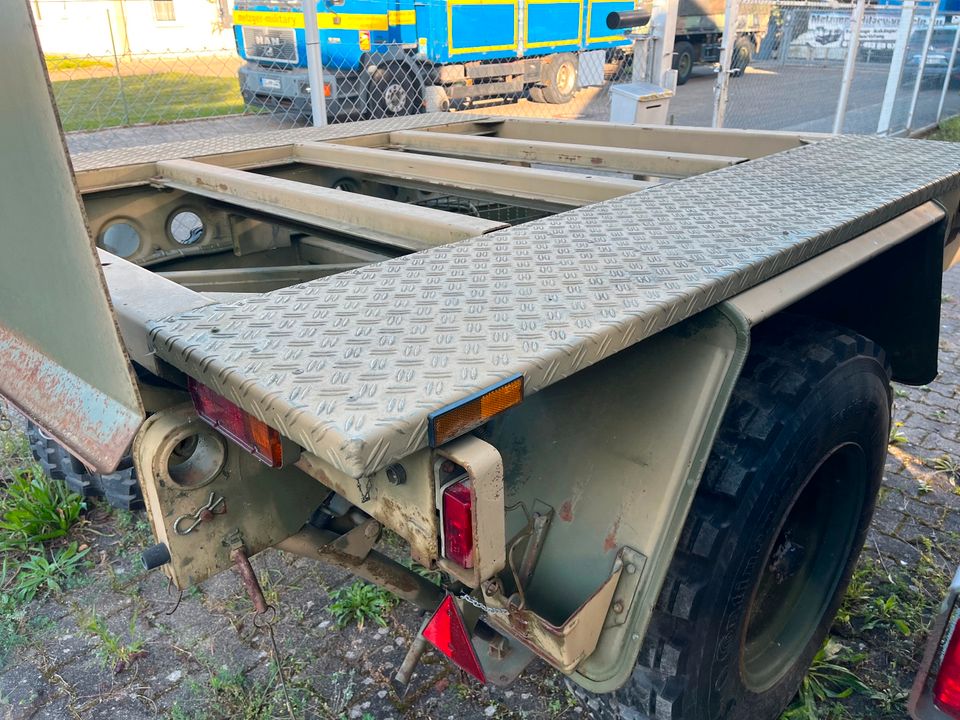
(356, 544)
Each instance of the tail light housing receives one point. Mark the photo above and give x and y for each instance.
(946, 690)
(456, 514)
(250, 433)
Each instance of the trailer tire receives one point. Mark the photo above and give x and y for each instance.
(773, 534)
(742, 55)
(683, 61)
(535, 93)
(397, 90)
(119, 488)
(559, 79)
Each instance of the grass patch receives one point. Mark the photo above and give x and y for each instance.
(359, 602)
(949, 130)
(93, 103)
(59, 63)
(34, 509)
(37, 556)
(116, 651)
(826, 680)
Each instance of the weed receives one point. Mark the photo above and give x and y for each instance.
(34, 508)
(901, 393)
(360, 602)
(37, 574)
(947, 466)
(825, 680)
(896, 433)
(114, 651)
(885, 611)
(433, 576)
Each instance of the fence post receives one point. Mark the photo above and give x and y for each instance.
(726, 59)
(311, 30)
(946, 80)
(896, 67)
(853, 47)
(116, 66)
(928, 38)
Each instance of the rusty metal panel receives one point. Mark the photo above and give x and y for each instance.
(61, 360)
(350, 366)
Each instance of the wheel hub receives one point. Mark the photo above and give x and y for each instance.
(803, 567)
(395, 98)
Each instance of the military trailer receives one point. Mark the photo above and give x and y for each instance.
(640, 435)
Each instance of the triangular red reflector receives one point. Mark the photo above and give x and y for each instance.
(447, 632)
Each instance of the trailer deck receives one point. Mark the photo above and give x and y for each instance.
(350, 366)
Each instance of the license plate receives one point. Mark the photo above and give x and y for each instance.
(271, 83)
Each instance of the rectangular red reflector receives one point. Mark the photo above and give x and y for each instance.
(447, 632)
(253, 435)
(457, 516)
(946, 691)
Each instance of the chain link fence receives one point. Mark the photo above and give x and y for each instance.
(146, 71)
(802, 69)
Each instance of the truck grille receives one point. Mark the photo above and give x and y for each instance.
(271, 44)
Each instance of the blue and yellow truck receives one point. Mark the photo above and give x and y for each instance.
(397, 57)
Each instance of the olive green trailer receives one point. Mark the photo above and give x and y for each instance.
(640, 434)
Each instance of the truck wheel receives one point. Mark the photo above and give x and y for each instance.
(397, 90)
(773, 534)
(120, 488)
(560, 79)
(535, 93)
(683, 61)
(742, 55)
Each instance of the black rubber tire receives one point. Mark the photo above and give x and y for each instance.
(683, 61)
(120, 488)
(46, 452)
(807, 389)
(556, 79)
(535, 93)
(397, 91)
(742, 55)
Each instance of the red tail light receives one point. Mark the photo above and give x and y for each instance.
(253, 435)
(946, 691)
(457, 515)
(447, 632)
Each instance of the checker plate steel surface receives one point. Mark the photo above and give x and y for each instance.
(349, 366)
(100, 159)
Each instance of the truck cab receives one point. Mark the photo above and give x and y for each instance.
(385, 58)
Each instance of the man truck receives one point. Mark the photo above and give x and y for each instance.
(397, 57)
(637, 435)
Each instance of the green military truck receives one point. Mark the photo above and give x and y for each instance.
(639, 435)
(699, 35)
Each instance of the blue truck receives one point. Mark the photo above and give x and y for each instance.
(397, 57)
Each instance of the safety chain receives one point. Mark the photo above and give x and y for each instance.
(364, 489)
(486, 608)
(5, 422)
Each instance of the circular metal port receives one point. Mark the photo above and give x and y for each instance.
(196, 457)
